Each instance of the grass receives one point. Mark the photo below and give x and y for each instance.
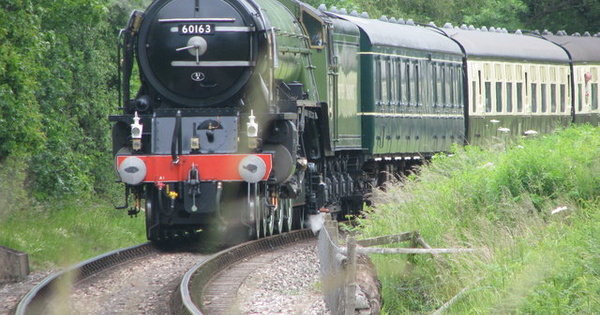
(531, 260)
(74, 232)
(60, 233)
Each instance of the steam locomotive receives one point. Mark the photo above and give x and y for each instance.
(253, 114)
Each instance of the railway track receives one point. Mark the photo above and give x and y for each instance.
(39, 298)
(211, 287)
(144, 279)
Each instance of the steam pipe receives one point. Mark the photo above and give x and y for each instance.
(176, 142)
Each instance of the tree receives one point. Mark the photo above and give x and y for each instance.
(20, 50)
(570, 15)
(57, 87)
(504, 14)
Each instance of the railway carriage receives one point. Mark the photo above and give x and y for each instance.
(515, 84)
(584, 51)
(411, 81)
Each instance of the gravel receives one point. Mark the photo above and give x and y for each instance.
(289, 285)
(143, 287)
(12, 293)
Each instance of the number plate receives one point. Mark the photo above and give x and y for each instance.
(197, 29)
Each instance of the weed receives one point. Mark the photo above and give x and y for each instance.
(530, 209)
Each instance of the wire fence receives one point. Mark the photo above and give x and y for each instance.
(338, 266)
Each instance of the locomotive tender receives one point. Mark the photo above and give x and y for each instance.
(257, 113)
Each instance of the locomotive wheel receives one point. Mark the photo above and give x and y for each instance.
(279, 213)
(289, 209)
(258, 212)
(153, 230)
(298, 217)
(254, 207)
(267, 217)
(270, 223)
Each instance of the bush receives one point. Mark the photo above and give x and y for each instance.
(531, 210)
(20, 47)
(58, 86)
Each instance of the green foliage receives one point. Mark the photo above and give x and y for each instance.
(74, 96)
(532, 212)
(421, 11)
(347, 4)
(554, 15)
(572, 16)
(70, 232)
(504, 14)
(13, 183)
(58, 84)
(20, 47)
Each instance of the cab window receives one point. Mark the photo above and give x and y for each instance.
(314, 29)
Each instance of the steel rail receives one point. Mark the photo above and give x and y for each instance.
(38, 298)
(188, 300)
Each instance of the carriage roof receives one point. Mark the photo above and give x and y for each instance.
(383, 33)
(503, 45)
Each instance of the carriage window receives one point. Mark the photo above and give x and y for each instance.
(451, 100)
(498, 72)
(595, 96)
(533, 98)
(400, 81)
(393, 82)
(488, 97)
(409, 86)
(455, 91)
(404, 83)
(377, 82)
(563, 96)
(474, 95)
(458, 85)
(519, 97)
(383, 65)
(417, 85)
(437, 85)
(442, 82)
(499, 97)
(509, 97)
(553, 98)
(544, 98)
(580, 97)
(448, 83)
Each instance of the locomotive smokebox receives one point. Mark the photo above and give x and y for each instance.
(197, 55)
